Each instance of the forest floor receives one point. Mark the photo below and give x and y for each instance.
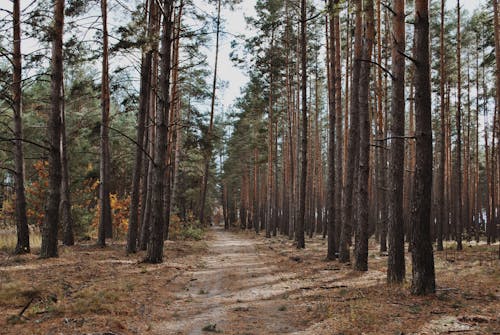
(240, 283)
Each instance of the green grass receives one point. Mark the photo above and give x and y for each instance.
(191, 233)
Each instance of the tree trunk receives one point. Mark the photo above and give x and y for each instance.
(497, 76)
(353, 143)
(442, 156)
(270, 173)
(65, 205)
(208, 154)
(396, 260)
(303, 176)
(140, 147)
(51, 219)
(458, 167)
(160, 184)
(338, 127)
(361, 247)
(423, 281)
(23, 237)
(332, 80)
(105, 225)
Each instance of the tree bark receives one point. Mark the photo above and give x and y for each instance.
(160, 184)
(458, 167)
(105, 225)
(396, 260)
(23, 237)
(65, 205)
(353, 142)
(303, 176)
(332, 122)
(497, 75)
(361, 247)
(423, 281)
(141, 121)
(51, 219)
(208, 154)
(442, 156)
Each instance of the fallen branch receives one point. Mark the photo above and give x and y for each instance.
(26, 306)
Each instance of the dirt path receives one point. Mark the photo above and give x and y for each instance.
(240, 284)
(234, 289)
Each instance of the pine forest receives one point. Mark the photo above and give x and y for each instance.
(249, 167)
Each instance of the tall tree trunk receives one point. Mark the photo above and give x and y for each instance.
(160, 184)
(141, 144)
(176, 109)
(290, 117)
(458, 171)
(332, 110)
(150, 134)
(423, 281)
(442, 156)
(51, 219)
(303, 176)
(23, 237)
(353, 145)
(65, 205)
(497, 75)
(396, 260)
(361, 248)
(338, 127)
(208, 154)
(477, 204)
(381, 162)
(105, 225)
(270, 173)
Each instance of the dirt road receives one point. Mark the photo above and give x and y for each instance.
(234, 289)
(238, 283)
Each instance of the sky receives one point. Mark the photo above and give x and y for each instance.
(234, 23)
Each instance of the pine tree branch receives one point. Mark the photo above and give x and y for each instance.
(131, 140)
(41, 146)
(394, 138)
(413, 60)
(379, 65)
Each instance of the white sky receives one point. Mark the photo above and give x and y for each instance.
(234, 22)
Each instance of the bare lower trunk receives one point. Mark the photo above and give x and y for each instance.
(160, 186)
(140, 146)
(361, 248)
(353, 143)
(105, 225)
(65, 206)
(458, 168)
(303, 177)
(423, 281)
(332, 187)
(208, 155)
(51, 219)
(396, 260)
(442, 155)
(23, 238)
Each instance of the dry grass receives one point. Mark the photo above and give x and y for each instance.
(341, 301)
(8, 240)
(88, 289)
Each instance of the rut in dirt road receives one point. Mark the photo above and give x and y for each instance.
(235, 290)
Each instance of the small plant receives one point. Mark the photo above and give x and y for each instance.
(211, 328)
(282, 308)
